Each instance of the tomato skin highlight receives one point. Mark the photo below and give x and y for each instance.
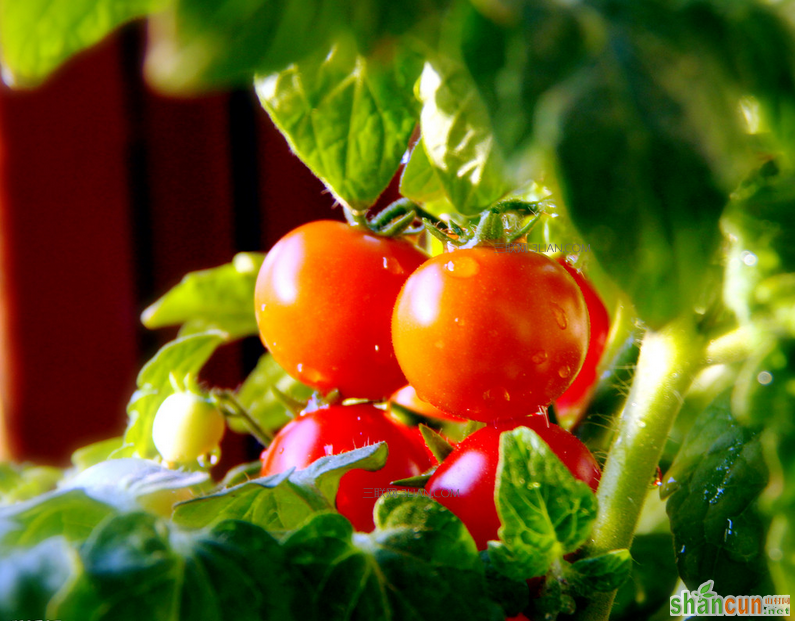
(572, 402)
(407, 397)
(324, 299)
(465, 481)
(490, 335)
(336, 429)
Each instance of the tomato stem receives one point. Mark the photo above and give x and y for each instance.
(669, 360)
(225, 401)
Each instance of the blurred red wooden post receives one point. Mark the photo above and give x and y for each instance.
(68, 352)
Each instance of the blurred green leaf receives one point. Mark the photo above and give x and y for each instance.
(512, 594)
(29, 578)
(135, 567)
(714, 484)
(458, 139)
(419, 563)
(181, 357)
(262, 404)
(39, 35)
(514, 62)
(87, 456)
(22, 481)
(638, 187)
(603, 573)
(220, 298)
(419, 181)
(544, 511)
(348, 117)
(281, 502)
(651, 581)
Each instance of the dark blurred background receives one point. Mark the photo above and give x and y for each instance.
(109, 194)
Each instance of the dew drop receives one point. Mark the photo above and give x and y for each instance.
(281, 450)
(376, 348)
(311, 375)
(539, 357)
(393, 266)
(564, 372)
(560, 316)
(497, 395)
(328, 449)
(262, 308)
(749, 258)
(462, 267)
(764, 378)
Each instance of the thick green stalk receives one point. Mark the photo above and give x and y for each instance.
(669, 360)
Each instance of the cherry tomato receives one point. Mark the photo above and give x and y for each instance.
(576, 397)
(464, 482)
(187, 426)
(324, 299)
(337, 429)
(407, 398)
(490, 335)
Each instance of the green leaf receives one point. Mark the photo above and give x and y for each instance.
(29, 578)
(419, 181)
(761, 262)
(39, 35)
(510, 593)
(135, 567)
(348, 117)
(203, 43)
(419, 563)
(281, 502)
(457, 137)
(262, 404)
(713, 485)
(219, 298)
(181, 357)
(83, 501)
(515, 60)
(545, 512)
(652, 578)
(603, 573)
(71, 514)
(639, 187)
(92, 454)
(22, 481)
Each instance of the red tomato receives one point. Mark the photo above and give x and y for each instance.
(324, 299)
(464, 482)
(576, 397)
(490, 335)
(337, 429)
(407, 397)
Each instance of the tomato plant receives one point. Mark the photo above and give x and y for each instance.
(575, 397)
(334, 429)
(344, 282)
(656, 137)
(490, 335)
(464, 482)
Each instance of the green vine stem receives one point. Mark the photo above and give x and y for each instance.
(669, 360)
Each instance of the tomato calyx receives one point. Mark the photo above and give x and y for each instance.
(401, 217)
(501, 224)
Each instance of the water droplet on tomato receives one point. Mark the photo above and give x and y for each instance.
(376, 348)
(539, 357)
(564, 372)
(393, 266)
(497, 395)
(281, 450)
(310, 375)
(263, 307)
(560, 316)
(462, 267)
(328, 449)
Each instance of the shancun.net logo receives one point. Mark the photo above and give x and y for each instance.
(706, 603)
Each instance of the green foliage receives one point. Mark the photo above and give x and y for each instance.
(713, 486)
(20, 482)
(219, 298)
(420, 562)
(39, 35)
(281, 502)
(347, 116)
(545, 512)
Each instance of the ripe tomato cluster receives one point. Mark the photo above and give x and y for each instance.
(479, 334)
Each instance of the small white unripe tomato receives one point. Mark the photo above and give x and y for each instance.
(187, 426)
